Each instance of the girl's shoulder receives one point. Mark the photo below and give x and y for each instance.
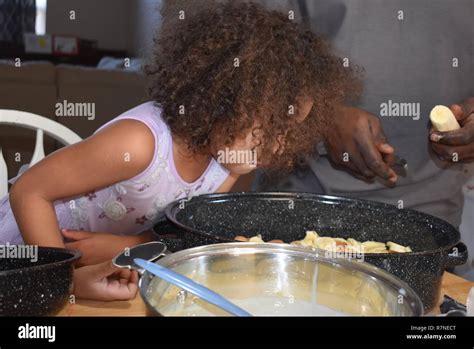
(150, 114)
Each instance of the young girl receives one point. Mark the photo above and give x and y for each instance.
(230, 77)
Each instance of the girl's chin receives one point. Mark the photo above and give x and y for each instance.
(240, 169)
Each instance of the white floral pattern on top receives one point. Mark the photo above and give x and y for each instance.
(160, 168)
(79, 212)
(113, 209)
(120, 189)
(157, 208)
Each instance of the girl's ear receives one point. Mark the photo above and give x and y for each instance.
(304, 104)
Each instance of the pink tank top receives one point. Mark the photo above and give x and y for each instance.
(135, 205)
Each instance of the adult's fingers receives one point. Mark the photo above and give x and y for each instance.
(385, 148)
(355, 165)
(463, 136)
(378, 136)
(458, 112)
(388, 153)
(359, 176)
(373, 159)
(453, 153)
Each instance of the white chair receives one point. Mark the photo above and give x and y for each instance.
(42, 126)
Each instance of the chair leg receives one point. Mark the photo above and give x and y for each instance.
(38, 153)
(3, 176)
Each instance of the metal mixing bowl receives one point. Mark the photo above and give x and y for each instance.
(278, 279)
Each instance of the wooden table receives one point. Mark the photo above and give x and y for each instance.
(453, 286)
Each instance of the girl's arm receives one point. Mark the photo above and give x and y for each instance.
(116, 153)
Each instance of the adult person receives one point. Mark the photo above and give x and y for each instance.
(415, 55)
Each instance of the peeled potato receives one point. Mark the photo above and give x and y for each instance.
(392, 246)
(374, 247)
(443, 119)
(257, 238)
(313, 240)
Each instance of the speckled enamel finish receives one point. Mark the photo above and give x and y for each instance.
(216, 218)
(36, 288)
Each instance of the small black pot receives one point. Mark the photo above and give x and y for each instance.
(36, 288)
(217, 218)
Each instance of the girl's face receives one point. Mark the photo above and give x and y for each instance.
(246, 153)
(242, 156)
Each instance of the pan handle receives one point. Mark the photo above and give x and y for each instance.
(169, 234)
(457, 256)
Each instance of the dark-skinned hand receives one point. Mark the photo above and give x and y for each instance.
(457, 146)
(356, 143)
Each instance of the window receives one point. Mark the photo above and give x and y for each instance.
(40, 17)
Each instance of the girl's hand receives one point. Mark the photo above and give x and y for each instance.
(105, 282)
(99, 247)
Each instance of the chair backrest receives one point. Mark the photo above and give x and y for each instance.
(42, 126)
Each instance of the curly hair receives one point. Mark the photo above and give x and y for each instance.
(194, 66)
